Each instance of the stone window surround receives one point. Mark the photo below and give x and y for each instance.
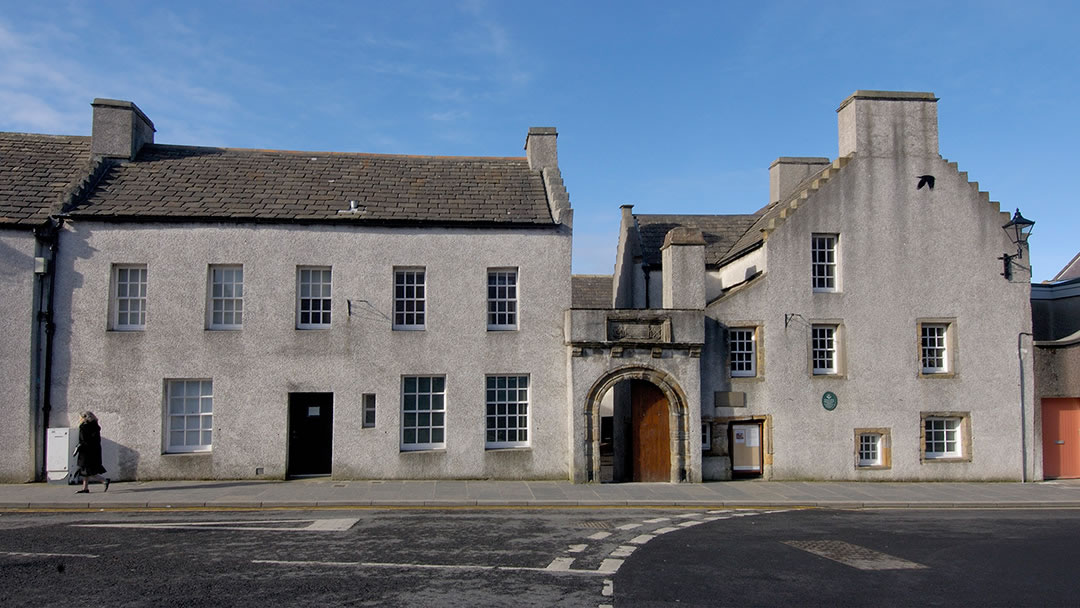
(965, 437)
(884, 449)
(839, 351)
(950, 346)
(758, 345)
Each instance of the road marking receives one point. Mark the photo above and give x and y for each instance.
(576, 548)
(610, 566)
(623, 551)
(657, 520)
(298, 525)
(687, 524)
(717, 518)
(641, 540)
(555, 567)
(689, 516)
(560, 564)
(853, 555)
(628, 527)
(664, 530)
(25, 554)
(599, 535)
(609, 588)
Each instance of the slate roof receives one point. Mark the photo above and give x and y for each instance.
(180, 182)
(721, 232)
(37, 172)
(1070, 271)
(590, 291)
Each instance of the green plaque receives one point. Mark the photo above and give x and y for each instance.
(828, 400)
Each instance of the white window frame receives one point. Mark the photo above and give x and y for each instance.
(934, 351)
(189, 403)
(428, 395)
(502, 299)
(499, 401)
(304, 294)
(825, 263)
(226, 296)
(410, 299)
(123, 301)
(870, 450)
(946, 431)
(745, 337)
(825, 348)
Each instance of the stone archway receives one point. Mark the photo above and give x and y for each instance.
(678, 423)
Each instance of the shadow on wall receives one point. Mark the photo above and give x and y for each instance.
(73, 245)
(121, 462)
(16, 263)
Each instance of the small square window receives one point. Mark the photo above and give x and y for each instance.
(872, 449)
(313, 297)
(502, 298)
(410, 299)
(129, 297)
(946, 436)
(742, 351)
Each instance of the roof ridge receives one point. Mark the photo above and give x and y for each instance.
(335, 153)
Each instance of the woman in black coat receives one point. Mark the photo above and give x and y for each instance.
(89, 451)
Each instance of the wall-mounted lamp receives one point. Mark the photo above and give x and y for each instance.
(1018, 229)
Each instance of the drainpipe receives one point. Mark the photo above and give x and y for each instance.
(1023, 416)
(47, 236)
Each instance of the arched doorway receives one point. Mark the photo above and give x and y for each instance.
(636, 428)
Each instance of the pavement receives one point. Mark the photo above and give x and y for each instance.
(328, 493)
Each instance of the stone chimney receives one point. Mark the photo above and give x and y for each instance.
(540, 148)
(888, 124)
(683, 260)
(120, 129)
(543, 156)
(787, 172)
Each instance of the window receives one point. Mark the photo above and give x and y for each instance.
(743, 351)
(423, 406)
(190, 419)
(869, 449)
(706, 437)
(872, 449)
(313, 297)
(942, 437)
(129, 298)
(410, 299)
(935, 349)
(507, 411)
(369, 411)
(502, 299)
(824, 349)
(226, 297)
(823, 266)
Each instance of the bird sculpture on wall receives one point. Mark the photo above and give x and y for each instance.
(925, 180)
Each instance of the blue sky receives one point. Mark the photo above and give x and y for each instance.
(673, 107)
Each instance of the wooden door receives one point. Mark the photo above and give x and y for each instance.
(1061, 438)
(651, 429)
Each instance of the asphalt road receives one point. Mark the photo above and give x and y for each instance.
(539, 557)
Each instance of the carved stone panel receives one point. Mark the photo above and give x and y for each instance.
(639, 330)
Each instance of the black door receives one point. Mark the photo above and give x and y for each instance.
(311, 433)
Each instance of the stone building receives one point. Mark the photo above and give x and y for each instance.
(235, 313)
(856, 327)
